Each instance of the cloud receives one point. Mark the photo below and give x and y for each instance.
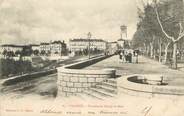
(31, 21)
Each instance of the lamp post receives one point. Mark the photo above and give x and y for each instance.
(89, 37)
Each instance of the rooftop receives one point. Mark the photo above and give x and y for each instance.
(44, 43)
(12, 45)
(112, 42)
(121, 39)
(34, 45)
(81, 39)
(57, 42)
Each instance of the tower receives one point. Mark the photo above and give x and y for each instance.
(123, 32)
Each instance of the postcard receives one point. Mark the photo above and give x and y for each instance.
(91, 58)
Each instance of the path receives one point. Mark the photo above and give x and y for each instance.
(145, 66)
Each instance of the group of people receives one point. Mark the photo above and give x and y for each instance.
(127, 56)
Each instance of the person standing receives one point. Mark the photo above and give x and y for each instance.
(130, 57)
(126, 56)
(123, 56)
(136, 57)
(120, 56)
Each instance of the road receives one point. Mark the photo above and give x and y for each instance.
(44, 87)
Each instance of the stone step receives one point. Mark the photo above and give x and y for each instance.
(102, 92)
(107, 88)
(87, 95)
(112, 85)
(93, 94)
(111, 81)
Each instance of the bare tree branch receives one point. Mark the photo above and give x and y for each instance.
(181, 36)
(158, 19)
(181, 29)
(181, 33)
(167, 45)
(168, 19)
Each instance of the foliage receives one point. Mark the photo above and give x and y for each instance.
(26, 51)
(170, 14)
(18, 52)
(36, 52)
(12, 67)
(160, 23)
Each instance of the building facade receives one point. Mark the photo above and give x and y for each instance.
(12, 50)
(10, 47)
(35, 47)
(121, 43)
(76, 45)
(124, 44)
(58, 48)
(44, 48)
(112, 47)
(53, 48)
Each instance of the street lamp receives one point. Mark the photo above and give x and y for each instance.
(89, 37)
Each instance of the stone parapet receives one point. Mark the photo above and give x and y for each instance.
(147, 90)
(73, 80)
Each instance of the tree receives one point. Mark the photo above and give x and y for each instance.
(17, 52)
(140, 40)
(10, 54)
(43, 52)
(26, 51)
(10, 66)
(4, 52)
(147, 30)
(176, 20)
(36, 52)
(161, 25)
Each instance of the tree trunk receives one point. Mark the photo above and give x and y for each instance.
(148, 50)
(154, 53)
(151, 50)
(175, 55)
(160, 50)
(166, 53)
(145, 49)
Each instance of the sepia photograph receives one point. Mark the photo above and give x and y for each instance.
(91, 57)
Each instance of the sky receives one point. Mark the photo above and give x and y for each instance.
(34, 21)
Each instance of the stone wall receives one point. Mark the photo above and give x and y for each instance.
(147, 90)
(71, 81)
(26, 77)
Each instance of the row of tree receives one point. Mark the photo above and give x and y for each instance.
(160, 29)
(7, 53)
(86, 52)
(12, 67)
(27, 52)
